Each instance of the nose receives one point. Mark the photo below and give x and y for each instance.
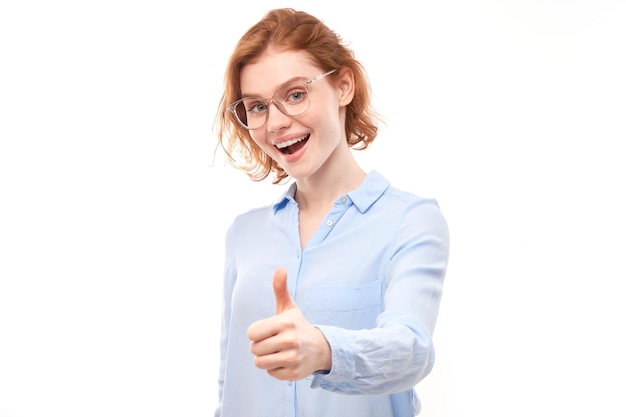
(276, 119)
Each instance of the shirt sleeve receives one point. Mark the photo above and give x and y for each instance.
(230, 276)
(398, 352)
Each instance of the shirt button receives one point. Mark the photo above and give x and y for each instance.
(343, 200)
(329, 222)
(289, 383)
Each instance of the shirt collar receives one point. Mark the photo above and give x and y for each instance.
(372, 187)
(286, 197)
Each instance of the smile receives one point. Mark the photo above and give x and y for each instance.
(291, 146)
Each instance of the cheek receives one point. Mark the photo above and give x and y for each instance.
(324, 117)
(329, 122)
(258, 137)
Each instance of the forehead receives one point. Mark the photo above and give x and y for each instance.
(272, 69)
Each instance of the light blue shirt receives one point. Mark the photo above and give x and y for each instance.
(370, 279)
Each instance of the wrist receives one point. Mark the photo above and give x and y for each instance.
(325, 361)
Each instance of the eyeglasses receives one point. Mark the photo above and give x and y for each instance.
(292, 99)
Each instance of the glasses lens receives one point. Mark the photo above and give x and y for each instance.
(251, 112)
(292, 100)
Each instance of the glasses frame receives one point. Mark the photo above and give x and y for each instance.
(231, 107)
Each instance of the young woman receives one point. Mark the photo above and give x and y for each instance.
(331, 294)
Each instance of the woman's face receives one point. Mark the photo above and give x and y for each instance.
(302, 144)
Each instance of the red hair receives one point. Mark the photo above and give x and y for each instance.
(288, 29)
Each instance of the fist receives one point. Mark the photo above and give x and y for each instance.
(286, 345)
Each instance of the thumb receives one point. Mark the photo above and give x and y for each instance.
(283, 299)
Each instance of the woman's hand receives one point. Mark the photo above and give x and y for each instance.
(287, 345)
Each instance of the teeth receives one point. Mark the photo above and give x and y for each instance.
(283, 145)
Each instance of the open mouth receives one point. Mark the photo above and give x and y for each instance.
(293, 145)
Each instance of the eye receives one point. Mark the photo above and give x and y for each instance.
(297, 96)
(294, 95)
(255, 106)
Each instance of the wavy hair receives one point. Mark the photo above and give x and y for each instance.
(289, 29)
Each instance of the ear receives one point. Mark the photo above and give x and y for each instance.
(345, 82)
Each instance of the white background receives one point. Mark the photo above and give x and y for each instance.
(113, 207)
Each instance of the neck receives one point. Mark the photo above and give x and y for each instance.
(321, 190)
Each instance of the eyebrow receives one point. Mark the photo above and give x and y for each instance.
(289, 81)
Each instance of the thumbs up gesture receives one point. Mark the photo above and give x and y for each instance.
(286, 345)
(281, 291)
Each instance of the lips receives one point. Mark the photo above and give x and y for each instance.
(293, 145)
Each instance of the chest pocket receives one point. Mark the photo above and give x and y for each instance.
(354, 306)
